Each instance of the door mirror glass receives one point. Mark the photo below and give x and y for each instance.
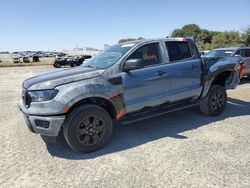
(132, 64)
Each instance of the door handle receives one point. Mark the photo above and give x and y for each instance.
(160, 73)
(194, 66)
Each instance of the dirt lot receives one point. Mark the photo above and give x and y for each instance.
(181, 149)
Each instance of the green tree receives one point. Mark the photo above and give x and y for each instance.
(246, 36)
(187, 31)
(204, 36)
(207, 40)
(226, 39)
(177, 33)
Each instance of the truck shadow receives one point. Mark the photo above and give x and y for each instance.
(136, 134)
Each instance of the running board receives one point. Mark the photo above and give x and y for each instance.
(156, 111)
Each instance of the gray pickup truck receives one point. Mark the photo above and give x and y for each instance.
(126, 82)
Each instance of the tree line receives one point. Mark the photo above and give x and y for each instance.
(207, 40)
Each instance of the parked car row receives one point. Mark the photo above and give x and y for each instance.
(25, 59)
(40, 54)
(72, 61)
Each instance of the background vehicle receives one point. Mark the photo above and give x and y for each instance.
(72, 61)
(35, 58)
(126, 82)
(203, 53)
(243, 52)
(16, 60)
(26, 59)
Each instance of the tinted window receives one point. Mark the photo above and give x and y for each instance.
(150, 53)
(178, 50)
(247, 53)
(239, 52)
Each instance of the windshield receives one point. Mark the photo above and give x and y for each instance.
(109, 56)
(219, 53)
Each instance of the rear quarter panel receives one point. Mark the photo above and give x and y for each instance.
(215, 66)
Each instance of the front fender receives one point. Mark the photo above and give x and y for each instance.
(72, 93)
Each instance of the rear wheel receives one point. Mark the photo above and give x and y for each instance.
(57, 65)
(88, 128)
(215, 101)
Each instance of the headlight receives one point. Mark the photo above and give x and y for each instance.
(44, 95)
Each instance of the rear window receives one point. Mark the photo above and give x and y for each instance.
(247, 53)
(178, 50)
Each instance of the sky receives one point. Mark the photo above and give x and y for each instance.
(60, 24)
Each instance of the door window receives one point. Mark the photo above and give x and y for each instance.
(247, 53)
(149, 53)
(239, 52)
(178, 50)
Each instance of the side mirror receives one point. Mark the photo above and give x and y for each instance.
(132, 64)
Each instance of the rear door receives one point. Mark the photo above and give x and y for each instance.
(184, 71)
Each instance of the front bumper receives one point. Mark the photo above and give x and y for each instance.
(44, 125)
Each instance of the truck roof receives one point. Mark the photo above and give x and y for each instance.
(156, 39)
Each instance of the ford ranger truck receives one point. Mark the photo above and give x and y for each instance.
(126, 82)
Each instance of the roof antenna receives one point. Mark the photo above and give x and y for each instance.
(169, 35)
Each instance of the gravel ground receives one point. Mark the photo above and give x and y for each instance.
(181, 149)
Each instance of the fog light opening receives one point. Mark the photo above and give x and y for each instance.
(42, 123)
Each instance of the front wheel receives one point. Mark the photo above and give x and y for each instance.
(73, 65)
(88, 128)
(215, 101)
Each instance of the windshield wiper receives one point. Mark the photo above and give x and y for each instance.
(90, 66)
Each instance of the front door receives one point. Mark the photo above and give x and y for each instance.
(148, 86)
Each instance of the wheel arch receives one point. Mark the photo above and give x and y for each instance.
(97, 100)
(225, 78)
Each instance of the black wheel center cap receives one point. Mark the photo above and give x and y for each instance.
(91, 129)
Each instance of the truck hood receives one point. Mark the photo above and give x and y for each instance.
(55, 78)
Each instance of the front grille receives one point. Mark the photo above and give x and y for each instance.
(26, 97)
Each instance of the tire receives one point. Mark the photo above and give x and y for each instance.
(88, 128)
(215, 101)
(73, 65)
(57, 65)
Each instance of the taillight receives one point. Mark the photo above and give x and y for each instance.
(242, 69)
